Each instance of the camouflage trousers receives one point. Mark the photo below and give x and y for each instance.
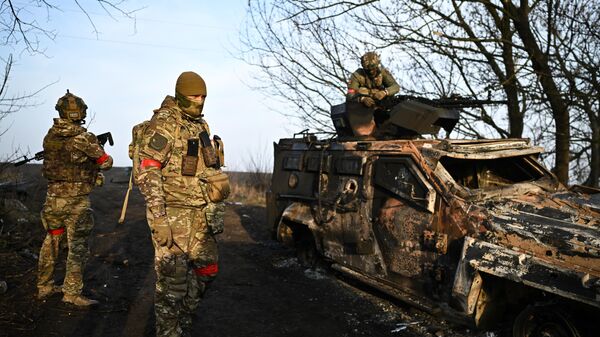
(183, 271)
(71, 216)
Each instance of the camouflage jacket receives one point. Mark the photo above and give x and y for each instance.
(166, 145)
(360, 82)
(72, 159)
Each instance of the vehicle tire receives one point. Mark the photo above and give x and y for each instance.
(306, 249)
(544, 321)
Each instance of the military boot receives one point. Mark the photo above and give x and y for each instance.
(79, 300)
(47, 291)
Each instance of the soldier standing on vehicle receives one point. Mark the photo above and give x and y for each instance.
(179, 175)
(73, 159)
(370, 85)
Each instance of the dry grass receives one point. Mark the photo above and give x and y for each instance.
(249, 187)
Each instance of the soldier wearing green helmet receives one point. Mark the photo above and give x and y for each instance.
(178, 172)
(73, 159)
(370, 85)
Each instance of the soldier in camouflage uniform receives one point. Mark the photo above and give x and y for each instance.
(180, 178)
(73, 159)
(370, 85)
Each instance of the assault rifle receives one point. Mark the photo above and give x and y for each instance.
(102, 139)
(452, 102)
(37, 156)
(105, 137)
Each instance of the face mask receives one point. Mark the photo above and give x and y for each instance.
(190, 108)
(373, 72)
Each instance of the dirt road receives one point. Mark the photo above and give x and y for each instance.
(260, 291)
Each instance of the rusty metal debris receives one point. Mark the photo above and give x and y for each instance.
(474, 229)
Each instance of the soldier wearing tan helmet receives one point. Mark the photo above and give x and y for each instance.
(180, 177)
(370, 85)
(73, 159)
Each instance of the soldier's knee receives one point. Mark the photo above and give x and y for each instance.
(172, 275)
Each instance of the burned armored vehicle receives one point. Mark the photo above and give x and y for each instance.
(476, 230)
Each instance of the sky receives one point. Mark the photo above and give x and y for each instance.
(125, 70)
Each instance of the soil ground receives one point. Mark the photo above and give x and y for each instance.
(261, 289)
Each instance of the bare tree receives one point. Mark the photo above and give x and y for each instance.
(473, 48)
(22, 31)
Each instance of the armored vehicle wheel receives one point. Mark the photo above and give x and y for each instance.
(544, 321)
(306, 250)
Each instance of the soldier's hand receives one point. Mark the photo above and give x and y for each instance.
(161, 231)
(379, 94)
(368, 102)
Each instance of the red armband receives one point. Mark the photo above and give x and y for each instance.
(102, 159)
(351, 91)
(57, 231)
(150, 163)
(210, 270)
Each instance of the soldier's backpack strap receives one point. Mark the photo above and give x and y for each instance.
(126, 200)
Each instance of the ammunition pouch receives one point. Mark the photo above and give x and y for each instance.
(216, 185)
(190, 160)
(220, 150)
(189, 165)
(209, 154)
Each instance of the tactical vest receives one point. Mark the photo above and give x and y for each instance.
(186, 175)
(365, 81)
(63, 162)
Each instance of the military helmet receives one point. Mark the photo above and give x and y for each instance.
(370, 60)
(71, 107)
(190, 84)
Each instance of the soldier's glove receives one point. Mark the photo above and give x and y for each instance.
(107, 164)
(215, 213)
(99, 179)
(367, 101)
(161, 231)
(379, 94)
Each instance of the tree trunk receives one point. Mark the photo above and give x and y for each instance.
(515, 117)
(594, 176)
(540, 65)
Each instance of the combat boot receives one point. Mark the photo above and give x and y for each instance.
(47, 291)
(79, 300)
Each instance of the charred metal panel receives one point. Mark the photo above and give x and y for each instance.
(292, 161)
(486, 145)
(299, 213)
(529, 270)
(399, 230)
(350, 165)
(401, 177)
(435, 242)
(318, 162)
(551, 234)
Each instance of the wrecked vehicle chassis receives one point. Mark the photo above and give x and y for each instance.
(479, 231)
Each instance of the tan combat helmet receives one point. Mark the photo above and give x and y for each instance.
(71, 107)
(190, 84)
(371, 63)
